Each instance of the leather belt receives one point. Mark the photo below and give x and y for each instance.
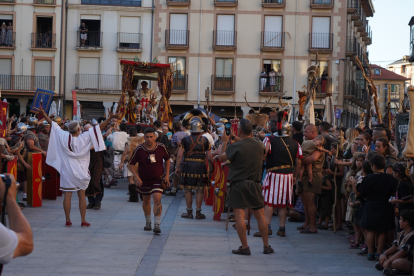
(279, 168)
(194, 160)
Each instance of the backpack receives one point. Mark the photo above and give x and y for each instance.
(108, 157)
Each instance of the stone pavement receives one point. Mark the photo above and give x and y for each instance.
(116, 244)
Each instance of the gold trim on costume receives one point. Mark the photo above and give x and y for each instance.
(279, 168)
(194, 160)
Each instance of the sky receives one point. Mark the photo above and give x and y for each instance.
(390, 30)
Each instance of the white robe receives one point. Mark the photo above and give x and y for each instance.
(73, 163)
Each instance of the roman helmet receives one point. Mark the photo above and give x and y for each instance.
(195, 127)
(21, 127)
(45, 123)
(192, 115)
(57, 120)
(283, 127)
(223, 120)
(32, 123)
(220, 131)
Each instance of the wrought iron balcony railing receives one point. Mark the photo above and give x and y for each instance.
(44, 2)
(321, 41)
(271, 84)
(224, 40)
(9, 40)
(26, 83)
(273, 41)
(225, 3)
(177, 39)
(90, 39)
(132, 3)
(129, 41)
(223, 83)
(322, 4)
(180, 82)
(178, 2)
(7, 1)
(273, 3)
(98, 82)
(44, 40)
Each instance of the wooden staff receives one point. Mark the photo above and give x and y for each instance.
(389, 106)
(339, 146)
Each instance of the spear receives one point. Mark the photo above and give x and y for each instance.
(339, 147)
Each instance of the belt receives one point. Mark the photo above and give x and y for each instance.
(279, 168)
(194, 160)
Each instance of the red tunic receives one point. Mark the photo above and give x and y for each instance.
(148, 171)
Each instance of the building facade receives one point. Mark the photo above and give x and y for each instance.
(405, 68)
(231, 47)
(389, 83)
(411, 24)
(114, 30)
(29, 50)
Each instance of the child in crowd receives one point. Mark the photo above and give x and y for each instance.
(398, 259)
(404, 195)
(309, 147)
(378, 214)
(325, 203)
(357, 204)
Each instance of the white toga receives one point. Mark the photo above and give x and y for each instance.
(70, 155)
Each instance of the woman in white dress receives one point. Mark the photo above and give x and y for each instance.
(9, 35)
(263, 79)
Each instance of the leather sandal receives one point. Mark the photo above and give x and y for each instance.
(199, 215)
(188, 215)
(257, 234)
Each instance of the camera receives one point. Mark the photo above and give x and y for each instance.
(5, 179)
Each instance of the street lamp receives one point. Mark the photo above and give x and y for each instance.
(222, 112)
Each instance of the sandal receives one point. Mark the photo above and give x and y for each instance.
(322, 227)
(308, 231)
(300, 228)
(354, 246)
(199, 215)
(188, 215)
(371, 257)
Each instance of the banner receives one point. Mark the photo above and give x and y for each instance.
(3, 119)
(42, 96)
(74, 104)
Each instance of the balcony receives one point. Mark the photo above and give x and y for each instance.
(178, 2)
(320, 43)
(271, 86)
(322, 4)
(352, 6)
(7, 2)
(9, 42)
(351, 46)
(42, 42)
(100, 84)
(355, 94)
(180, 84)
(19, 83)
(44, 2)
(128, 3)
(273, 42)
(360, 19)
(273, 3)
(223, 85)
(367, 35)
(91, 42)
(225, 3)
(411, 59)
(224, 40)
(177, 39)
(129, 42)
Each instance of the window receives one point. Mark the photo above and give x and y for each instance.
(5, 73)
(224, 67)
(403, 69)
(93, 35)
(395, 92)
(7, 40)
(88, 77)
(129, 36)
(321, 32)
(178, 29)
(273, 81)
(377, 71)
(43, 37)
(43, 73)
(225, 30)
(273, 31)
(178, 63)
(134, 3)
(323, 66)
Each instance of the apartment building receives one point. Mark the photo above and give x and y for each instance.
(29, 50)
(389, 80)
(405, 68)
(411, 24)
(115, 30)
(231, 47)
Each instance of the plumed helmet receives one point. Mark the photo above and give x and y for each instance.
(45, 123)
(285, 130)
(32, 123)
(57, 120)
(223, 120)
(195, 127)
(21, 127)
(94, 122)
